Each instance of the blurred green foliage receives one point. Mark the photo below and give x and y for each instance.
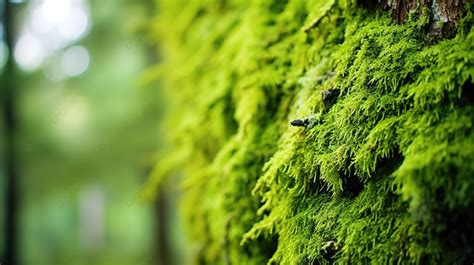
(95, 131)
(381, 175)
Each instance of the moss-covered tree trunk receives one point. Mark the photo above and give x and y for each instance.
(313, 132)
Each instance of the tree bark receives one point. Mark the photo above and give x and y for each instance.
(444, 14)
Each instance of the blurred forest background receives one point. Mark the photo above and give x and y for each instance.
(294, 132)
(85, 132)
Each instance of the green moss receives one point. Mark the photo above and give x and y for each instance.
(383, 176)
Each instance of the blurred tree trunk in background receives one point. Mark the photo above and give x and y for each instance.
(9, 117)
(163, 255)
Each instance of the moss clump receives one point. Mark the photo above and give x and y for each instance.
(382, 174)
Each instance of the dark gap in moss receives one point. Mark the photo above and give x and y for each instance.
(287, 63)
(330, 96)
(267, 60)
(268, 245)
(374, 49)
(371, 4)
(388, 165)
(278, 6)
(200, 13)
(467, 94)
(217, 43)
(450, 99)
(410, 77)
(229, 114)
(273, 105)
(328, 252)
(458, 234)
(351, 185)
(311, 37)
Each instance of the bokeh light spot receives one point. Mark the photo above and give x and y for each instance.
(56, 10)
(75, 61)
(29, 52)
(76, 24)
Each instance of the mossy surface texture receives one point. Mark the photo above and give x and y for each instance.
(383, 173)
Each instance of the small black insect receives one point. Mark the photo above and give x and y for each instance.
(329, 95)
(300, 123)
(312, 120)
